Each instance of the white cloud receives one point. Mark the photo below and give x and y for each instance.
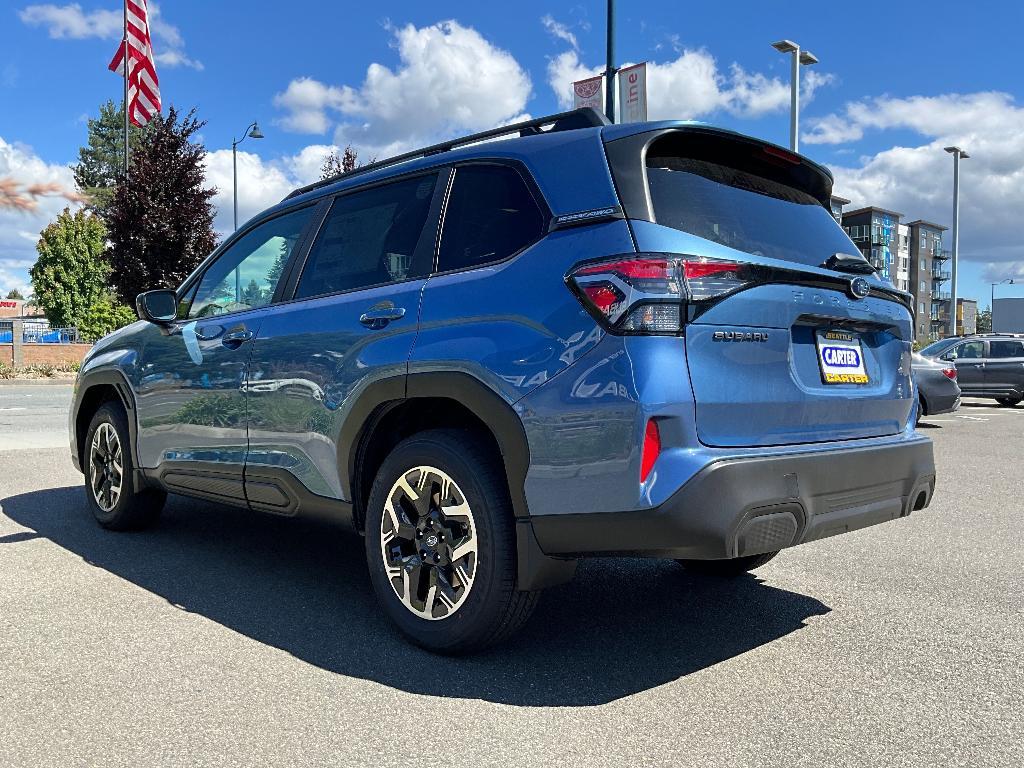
(70, 22)
(692, 86)
(559, 31)
(449, 79)
(917, 180)
(261, 183)
(307, 102)
(19, 229)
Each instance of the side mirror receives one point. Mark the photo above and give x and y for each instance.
(159, 306)
(949, 356)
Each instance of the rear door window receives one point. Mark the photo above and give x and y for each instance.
(490, 216)
(1006, 349)
(754, 208)
(372, 237)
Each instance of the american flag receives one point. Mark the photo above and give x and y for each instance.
(143, 85)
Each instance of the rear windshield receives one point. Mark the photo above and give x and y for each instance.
(936, 347)
(744, 211)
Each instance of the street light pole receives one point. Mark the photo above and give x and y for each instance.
(957, 155)
(252, 130)
(799, 58)
(610, 70)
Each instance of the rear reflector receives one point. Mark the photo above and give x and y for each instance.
(651, 450)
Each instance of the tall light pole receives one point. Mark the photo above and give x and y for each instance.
(610, 70)
(251, 131)
(992, 305)
(799, 58)
(957, 155)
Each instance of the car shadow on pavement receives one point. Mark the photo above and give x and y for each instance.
(621, 627)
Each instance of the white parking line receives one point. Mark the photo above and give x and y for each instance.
(13, 409)
(969, 418)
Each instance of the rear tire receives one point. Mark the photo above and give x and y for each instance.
(109, 474)
(1009, 402)
(440, 544)
(735, 566)
(921, 410)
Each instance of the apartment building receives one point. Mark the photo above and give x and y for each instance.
(875, 231)
(837, 207)
(929, 278)
(911, 257)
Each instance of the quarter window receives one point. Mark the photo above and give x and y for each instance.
(1006, 349)
(245, 275)
(490, 216)
(372, 237)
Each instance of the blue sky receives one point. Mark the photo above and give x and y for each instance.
(896, 82)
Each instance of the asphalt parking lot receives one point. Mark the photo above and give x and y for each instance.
(227, 638)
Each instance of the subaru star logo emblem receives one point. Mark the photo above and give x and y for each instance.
(859, 288)
(431, 540)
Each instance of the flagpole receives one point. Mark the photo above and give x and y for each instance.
(124, 63)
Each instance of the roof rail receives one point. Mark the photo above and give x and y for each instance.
(584, 117)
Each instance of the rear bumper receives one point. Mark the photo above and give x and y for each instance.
(945, 403)
(749, 505)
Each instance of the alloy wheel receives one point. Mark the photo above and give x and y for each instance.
(428, 543)
(105, 467)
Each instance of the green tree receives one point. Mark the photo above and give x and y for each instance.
(101, 161)
(985, 321)
(161, 222)
(14, 293)
(104, 315)
(71, 273)
(253, 295)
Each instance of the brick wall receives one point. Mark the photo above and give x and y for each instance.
(35, 354)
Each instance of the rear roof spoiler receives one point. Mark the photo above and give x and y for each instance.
(627, 157)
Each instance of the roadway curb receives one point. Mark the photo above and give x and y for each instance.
(36, 382)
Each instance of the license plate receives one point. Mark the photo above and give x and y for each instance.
(841, 358)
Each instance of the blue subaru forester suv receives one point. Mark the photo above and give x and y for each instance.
(492, 358)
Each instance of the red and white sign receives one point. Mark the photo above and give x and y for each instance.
(633, 93)
(588, 93)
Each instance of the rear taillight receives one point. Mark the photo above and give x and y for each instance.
(646, 293)
(949, 373)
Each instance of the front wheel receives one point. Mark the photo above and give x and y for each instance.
(440, 544)
(735, 566)
(1009, 402)
(115, 502)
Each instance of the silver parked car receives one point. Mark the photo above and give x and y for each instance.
(937, 387)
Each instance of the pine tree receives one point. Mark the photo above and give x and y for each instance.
(101, 161)
(14, 293)
(161, 221)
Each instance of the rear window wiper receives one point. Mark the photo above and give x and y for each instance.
(845, 262)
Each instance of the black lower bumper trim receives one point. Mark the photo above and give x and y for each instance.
(751, 505)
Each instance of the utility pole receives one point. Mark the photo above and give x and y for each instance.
(610, 70)
(957, 155)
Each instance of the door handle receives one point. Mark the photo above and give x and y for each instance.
(378, 317)
(235, 339)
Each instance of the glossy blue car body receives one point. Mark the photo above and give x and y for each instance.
(756, 453)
